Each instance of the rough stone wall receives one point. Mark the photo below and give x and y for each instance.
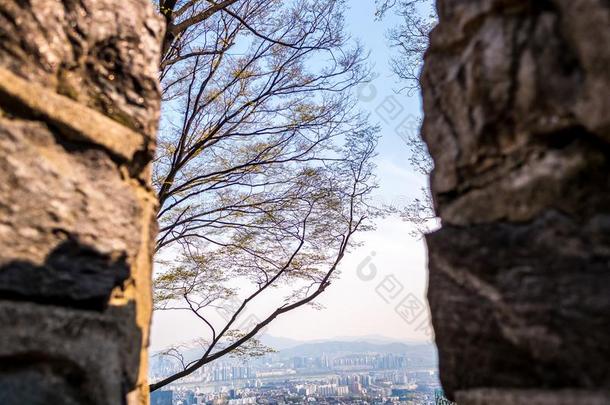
(517, 118)
(79, 104)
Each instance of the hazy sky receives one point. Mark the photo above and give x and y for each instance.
(382, 286)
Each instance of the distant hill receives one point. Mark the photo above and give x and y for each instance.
(366, 338)
(279, 343)
(333, 347)
(418, 355)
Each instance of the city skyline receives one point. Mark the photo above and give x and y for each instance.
(332, 372)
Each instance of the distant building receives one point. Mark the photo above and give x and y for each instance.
(365, 380)
(298, 362)
(325, 361)
(243, 401)
(189, 398)
(232, 393)
(161, 398)
(355, 387)
(329, 390)
(439, 399)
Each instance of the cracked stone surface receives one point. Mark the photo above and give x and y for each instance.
(79, 104)
(516, 99)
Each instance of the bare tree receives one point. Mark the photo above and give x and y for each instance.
(264, 164)
(177, 25)
(410, 37)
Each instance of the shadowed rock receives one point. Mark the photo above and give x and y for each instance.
(516, 99)
(72, 275)
(79, 104)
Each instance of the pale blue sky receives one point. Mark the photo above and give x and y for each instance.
(353, 306)
(382, 286)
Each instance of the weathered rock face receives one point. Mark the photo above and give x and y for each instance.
(79, 104)
(516, 101)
